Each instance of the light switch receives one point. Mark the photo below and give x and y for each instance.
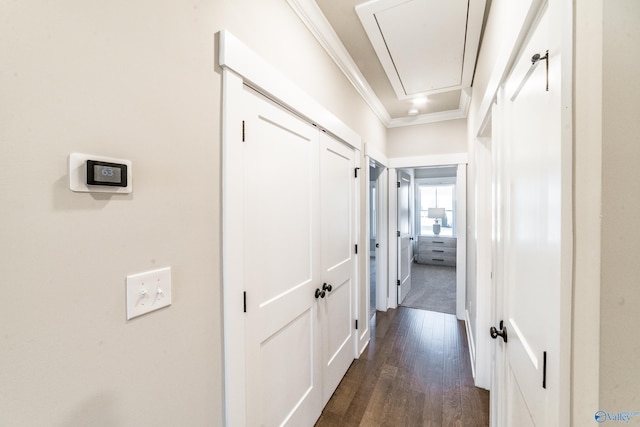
(148, 291)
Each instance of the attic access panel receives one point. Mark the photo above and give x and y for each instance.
(420, 43)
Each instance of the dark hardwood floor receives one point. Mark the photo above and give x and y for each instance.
(415, 372)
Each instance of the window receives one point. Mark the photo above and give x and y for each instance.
(437, 196)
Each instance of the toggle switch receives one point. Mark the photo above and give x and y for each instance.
(148, 291)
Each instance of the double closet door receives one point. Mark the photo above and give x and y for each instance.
(299, 264)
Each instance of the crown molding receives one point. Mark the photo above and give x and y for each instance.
(310, 14)
(317, 23)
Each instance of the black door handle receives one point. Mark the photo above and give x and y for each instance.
(377, 245)
(326, 287)
(319, 293)
(501, 333)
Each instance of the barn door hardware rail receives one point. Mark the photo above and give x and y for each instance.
(535, 60)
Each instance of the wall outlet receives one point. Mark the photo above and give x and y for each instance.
(148, 291)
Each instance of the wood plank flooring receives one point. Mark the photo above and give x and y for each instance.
(415, 372)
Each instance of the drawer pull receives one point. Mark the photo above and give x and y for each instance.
(437, 250)
(436, 241)
(436, 259)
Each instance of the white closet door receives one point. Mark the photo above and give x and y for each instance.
(338, 261)
(281, 272)
(532, 235)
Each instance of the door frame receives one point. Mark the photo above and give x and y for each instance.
(240, 66)
(460, 160)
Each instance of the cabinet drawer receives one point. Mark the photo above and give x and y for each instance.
(435, 259)
(437, 250)
(449, 242)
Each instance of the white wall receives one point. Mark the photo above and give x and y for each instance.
(620, 288)
(427, 139)
(134, 80)
(587, 207)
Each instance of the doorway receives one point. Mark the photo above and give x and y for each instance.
(452, 250)
(377, 179)
(433, 219)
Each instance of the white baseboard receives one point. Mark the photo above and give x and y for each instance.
(472, 345)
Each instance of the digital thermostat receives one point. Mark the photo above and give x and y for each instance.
(97, 174)
(106, 173)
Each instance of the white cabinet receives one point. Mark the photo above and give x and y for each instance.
(437, 250)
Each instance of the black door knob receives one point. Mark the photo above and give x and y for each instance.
(377, 245)
(326, 287)
(319, 294)
(499, 333)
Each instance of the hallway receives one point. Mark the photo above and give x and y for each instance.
(415, 372)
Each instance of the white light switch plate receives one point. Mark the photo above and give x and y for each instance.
(148, 291)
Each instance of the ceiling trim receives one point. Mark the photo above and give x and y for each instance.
(310, 14)
(441, 116)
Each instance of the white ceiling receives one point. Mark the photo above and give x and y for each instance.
(402, 54)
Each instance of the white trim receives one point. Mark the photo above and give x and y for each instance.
(472, 344)
(433, 160)
(376, 155)
(361, 308)
(482, 211)
(310, 14)
(317, 23)
(236, 56)
(461, 240)
(382, 302)
(232, 252)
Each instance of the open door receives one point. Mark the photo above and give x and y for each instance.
(405, 238)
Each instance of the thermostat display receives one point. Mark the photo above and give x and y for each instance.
(90, 173)
(106, 173)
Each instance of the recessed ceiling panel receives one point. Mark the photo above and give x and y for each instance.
(420, 43)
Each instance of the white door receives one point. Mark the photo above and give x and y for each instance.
(336, 307)
(405, 238)
(530, 232)
(281, 241)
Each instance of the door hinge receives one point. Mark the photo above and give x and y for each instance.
(398, 233)
(398, 282)
(243, 131)
(244, 301)
(356, 323)
(356, 249)
(398, 184)
(356, 174)
(544, 369)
